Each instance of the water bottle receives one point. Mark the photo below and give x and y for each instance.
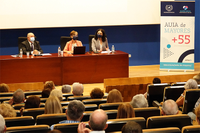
(113, 48)
(59, 51)
(20, 53)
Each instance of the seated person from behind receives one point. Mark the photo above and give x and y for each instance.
(100, 41)
(32, 102)
(96, 93)
(18, 97)
(74, 112)
(190, 84)
(169, 107)
(69, 47)
(139, 101)
(31, 45)
(197, 112)
(2, 125)
(197, 78)
(46, 92)
(114, 96)
(77, 89)
(125, 110)
(132, 127)
(50, 85)
(6, 110)
(53, 106)
(57, 93)
(4, 88)
(66, 89)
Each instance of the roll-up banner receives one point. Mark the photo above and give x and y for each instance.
(177, 36)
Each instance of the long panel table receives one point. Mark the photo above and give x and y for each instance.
(87, 68)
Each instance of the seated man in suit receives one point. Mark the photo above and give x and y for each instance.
(31, 45)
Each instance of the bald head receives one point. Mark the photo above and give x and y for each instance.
(170, 107)
(98, 120)
(29, 35)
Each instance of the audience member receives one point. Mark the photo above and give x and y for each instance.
(32, 102)
(97, 123)
(156, 81)
(57, 93)
(53, 106)
(125, 110)
(197, 112)
(190, 84)
(96, 93)
(6, 110)
(74, 112)
(18, 97)
(77, 89)
(169, 107)
(4, 88)
(114, 96)
(2, 124)
(50, 85)
(139, 101)
(132, 127)
(46, 92)
(197, 78)
(66, 89)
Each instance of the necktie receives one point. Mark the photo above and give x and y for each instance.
(31, 46)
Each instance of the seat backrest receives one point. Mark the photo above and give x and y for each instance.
(43, 100)
(155, 92)
(117, 124)
(70, 98)
(91, 107)
(178, 84)
(50, 119)
(33, 112)
(191, 129)
(67, 128)
(179, 121)
(94, 101)
(90, 41)
(64, 103)
(191, 97)
(20, 40)
(19, 121)
(163, 130)
(109, 106)
(66, 95)
(63, 41)
(29, 129)
(2, 99)
(147, 112)
(173, 92)
(28, 93)
(6, 94)
(18, 106)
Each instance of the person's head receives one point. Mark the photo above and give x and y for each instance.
(46, 92)
(75, 110)
(57, 93)
(132, 127)
(98, 120)
(139, 101)
(96, 93)
(156, 81)
(197, 78)
(191, 84)
(77, 89)
(197, 112)
(169, 107)
(50, 85)
(6, 110)
(114, 96)
(53, 106)
(4, 88)
(74, 35)
(66, 89)
(18, 96)
(100, 33)
(30, 37)
(55, 131)
(2, 124)
(32, 102)
(125, 110)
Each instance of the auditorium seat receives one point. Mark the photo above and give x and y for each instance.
(64, 103)
(191, 129)
(2, 99)
(29, 129)
(90, 41)
(191, 97)
(109, 106)
(70, 98)
(18, 106)
(43, 100)
(179, 121)
(66, 95)
(50, 119)
(20, 40)
(28, 93)
(163, 130)
(173, 92)
(178, 84)
(63, 41)
(67, 128)
(155, 92)
(33, 112)
(19, 121)
(147, 112)
(6, 94)
(94, 101)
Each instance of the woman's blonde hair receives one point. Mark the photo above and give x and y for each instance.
(57, 93)
(73, 33)
(6, 110)
(114, 96)
(125, 110)
(53, 105)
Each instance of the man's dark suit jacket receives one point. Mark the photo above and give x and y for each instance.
(25, 46)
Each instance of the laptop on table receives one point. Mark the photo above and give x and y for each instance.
(79, 50)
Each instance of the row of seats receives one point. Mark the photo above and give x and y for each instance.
(178, 121)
